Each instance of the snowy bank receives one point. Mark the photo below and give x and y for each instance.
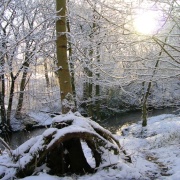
(154, 150)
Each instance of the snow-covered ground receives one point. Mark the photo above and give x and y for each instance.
(155, 153)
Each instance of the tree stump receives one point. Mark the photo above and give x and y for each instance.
(59, 149)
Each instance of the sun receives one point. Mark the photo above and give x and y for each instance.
(146, 23)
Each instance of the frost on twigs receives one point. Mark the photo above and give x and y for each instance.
(59, 149)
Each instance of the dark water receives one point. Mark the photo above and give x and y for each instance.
(17, 138)
(113, 124)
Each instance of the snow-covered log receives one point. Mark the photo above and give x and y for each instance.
(59, 149)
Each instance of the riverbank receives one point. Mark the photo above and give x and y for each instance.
(154, 150)
(43, 120)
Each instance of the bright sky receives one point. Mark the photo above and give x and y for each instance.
(147, 23)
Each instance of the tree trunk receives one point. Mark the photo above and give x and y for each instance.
(146, 95)
(144, 104)
(2, 82)
(90, 91)
(98, 116)
(10, 103)
(22, 88)
(62, 60)
(46, 73)
(71, 67)
(2, 102)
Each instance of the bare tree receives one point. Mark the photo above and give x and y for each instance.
(24, 40)
(127, 57)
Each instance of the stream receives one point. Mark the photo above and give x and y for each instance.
(113, 124)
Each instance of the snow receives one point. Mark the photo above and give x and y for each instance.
(154, 150)
(22, 148)
(40, 119)
(43, 119)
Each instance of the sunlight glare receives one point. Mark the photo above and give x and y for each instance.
(146, 23)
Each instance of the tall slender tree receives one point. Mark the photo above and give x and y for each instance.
(64, 76)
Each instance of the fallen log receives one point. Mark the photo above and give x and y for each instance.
(59, 148)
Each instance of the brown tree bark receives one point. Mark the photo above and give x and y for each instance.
(46, 73)
(62, 59)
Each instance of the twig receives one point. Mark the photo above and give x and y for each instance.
(6, 145)
(106, 166)
(10, 165)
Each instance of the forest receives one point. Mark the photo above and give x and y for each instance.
(78, 62)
